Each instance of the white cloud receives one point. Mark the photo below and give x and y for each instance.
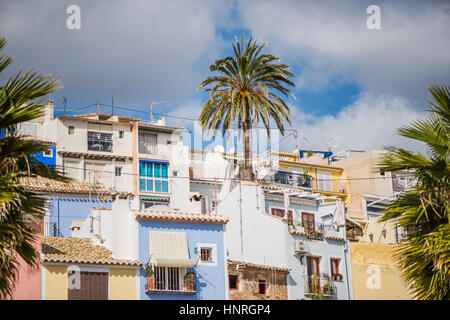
(330, 39)
(135, 50)
(369, 123)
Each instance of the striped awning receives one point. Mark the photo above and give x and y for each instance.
(170, 249)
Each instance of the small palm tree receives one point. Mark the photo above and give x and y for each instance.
(20, 100)
(424, 211)
(245, 90)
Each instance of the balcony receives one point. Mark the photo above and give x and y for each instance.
(317, 232)
(319, 286)
(170, 280)
(98, 141)
(402, 183)
(293, 179)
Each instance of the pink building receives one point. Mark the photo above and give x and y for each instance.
(29, 281)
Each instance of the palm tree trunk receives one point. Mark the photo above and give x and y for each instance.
(248, 168)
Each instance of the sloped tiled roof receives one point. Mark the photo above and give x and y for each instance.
(40, 184)
(175, 216)
(249, 265)
(79, 250)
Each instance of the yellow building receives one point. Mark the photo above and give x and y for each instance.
(325, 179)
(77, 269)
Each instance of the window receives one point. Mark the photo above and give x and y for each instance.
(312, 266)
(262, 287)
(280, 213)
(98, 141)
(48, 153)
(147, 143)
(146, 204)
(334, 264)
(121, 134)
(308, 221)
(71, 130)
(206, 254)
(214, 204)
(324, 181)
(118, 171)
(153, 177)
(204, 204)
(233, 282)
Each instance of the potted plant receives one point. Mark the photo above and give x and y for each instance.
(189, 280)
(150, 272)
(328, 287)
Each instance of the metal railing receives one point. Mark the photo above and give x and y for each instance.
(292, 179)
(171, 280)
(319, 285)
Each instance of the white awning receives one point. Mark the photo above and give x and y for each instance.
(170, 249)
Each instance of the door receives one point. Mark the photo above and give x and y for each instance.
(93, 286)
(308, 221)
(313, 269)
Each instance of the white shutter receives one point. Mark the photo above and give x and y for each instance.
(324, 180)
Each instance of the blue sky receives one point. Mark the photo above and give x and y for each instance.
(353, 84)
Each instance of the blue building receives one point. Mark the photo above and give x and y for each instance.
(186, 253)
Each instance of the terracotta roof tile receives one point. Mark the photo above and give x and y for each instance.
(249, 265)
(40, 184)
(79, 250)
(176, 216)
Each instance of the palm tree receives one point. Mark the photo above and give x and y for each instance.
(20, 100)
(424, 211)
(245, 90)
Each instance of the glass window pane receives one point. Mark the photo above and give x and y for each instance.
(157, 186)
(165, 186)
(142, 184)
(142, 169)
(149, 185)
(157, 170)
(149, 170)
(164, 171)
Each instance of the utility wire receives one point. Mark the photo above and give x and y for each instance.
(217, 178)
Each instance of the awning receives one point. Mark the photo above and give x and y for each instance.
(170, 249)
(353, 224)
(154, 198)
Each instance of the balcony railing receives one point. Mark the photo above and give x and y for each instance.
(400, 184)
(98, 141)
(171, 280)
(320, 286)
(292, 179)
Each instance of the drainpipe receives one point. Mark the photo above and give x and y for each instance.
(58, 218)
(346, 268)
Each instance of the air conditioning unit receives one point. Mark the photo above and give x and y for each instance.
(300, 247)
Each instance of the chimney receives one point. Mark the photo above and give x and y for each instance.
(49, 111)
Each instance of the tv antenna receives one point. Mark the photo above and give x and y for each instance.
(151, 108)
(330, 144)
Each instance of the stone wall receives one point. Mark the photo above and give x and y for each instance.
(249, 288)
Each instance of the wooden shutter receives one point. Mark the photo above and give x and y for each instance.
(93, 286)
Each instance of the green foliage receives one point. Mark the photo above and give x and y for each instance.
(20, 100)
(245, 91)
(424, 211)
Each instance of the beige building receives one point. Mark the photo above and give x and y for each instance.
(374, 270)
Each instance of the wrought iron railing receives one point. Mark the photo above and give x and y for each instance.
(320, 285)
(171, 280)
(292, 179)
